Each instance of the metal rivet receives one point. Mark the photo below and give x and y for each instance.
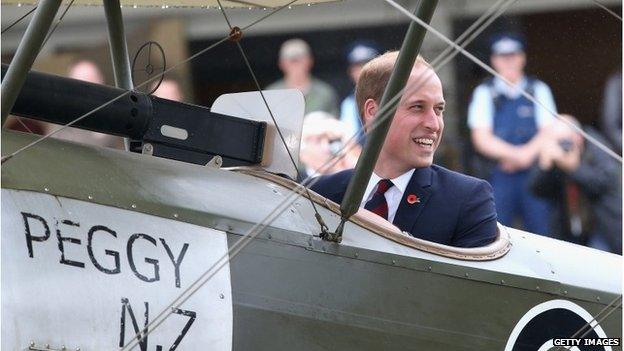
(565, 292)
(429, 268)
(275, 191)
(597, 298)
(32, 344)
(270, 236)
(393, 261)
(148, 149)
(537, 287)
(466, 275)
(77, 348)
(133, 206)
(230, 228)
(553, 272)
(175, 215)
(502, 281)
(221, 296)
(356, 255)
(63, 347)
(46, 189)
(90, 197)
(292, 210)
(47, 346)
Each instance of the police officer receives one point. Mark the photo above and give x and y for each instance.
(359, 54)
(505, 129)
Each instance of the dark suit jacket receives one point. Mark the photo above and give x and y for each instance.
(454, 209)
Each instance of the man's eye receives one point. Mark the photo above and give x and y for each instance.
(417, 107)
(439, 110)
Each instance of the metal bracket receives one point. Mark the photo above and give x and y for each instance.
(333, 236)
(34, 347)
(215, 162)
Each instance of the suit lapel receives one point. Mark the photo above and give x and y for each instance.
(414, 199)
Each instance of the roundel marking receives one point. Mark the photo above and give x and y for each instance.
(553, 319)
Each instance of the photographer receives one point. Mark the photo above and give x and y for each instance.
(322, 138)
(583, 185)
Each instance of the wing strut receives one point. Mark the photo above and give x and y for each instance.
(366, 163)
(26, 54)
(119, 51)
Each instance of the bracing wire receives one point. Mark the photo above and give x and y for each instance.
(241, 243)
(18, 20)
(57, 23)
(528, 96)
(611, 12)
(317, 215)
(89, 113)
(595, 321)
(489, 69)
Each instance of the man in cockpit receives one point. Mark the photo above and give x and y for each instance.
(428, 201)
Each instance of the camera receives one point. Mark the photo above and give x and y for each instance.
(566, 145)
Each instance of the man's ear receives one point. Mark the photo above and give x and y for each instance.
(370, 110)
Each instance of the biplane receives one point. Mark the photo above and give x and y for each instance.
(197, 238)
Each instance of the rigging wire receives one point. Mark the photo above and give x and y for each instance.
(602, 6)
(241, 243)
(19, 119)
(294, 193)
(589, 324)
(615, 308)
(18, 20)
(317, 215)
(524, 93)
(89, 113)
(528, 96)
(57, 23)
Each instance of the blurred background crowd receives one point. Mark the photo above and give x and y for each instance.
(548, 178)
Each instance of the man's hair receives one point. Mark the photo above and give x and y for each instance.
(375, 76)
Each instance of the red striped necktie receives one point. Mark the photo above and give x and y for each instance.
(378, 204)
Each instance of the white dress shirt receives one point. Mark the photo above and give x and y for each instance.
(481, 108)
(393, 195)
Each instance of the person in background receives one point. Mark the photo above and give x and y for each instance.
(357, 57)
(26, 125)
(87, 71)
(572, 170)
(612, 111)
(296, 62)
(322, 138)
(169, 89)
(506, 132)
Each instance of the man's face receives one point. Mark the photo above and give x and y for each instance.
(318, 149)
(296, 67)
(355, 70)
(416, 130)
(510, 66)
(86, 71)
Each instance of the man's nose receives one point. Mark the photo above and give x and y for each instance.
(432, 121)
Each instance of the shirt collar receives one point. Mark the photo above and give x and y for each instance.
(512, 92)
(400, 182)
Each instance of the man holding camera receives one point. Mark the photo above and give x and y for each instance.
(575, 177)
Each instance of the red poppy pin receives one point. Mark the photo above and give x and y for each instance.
(412, 199)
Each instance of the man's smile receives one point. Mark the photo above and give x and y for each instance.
(426, 143)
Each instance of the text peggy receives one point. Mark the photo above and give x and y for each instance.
(83, 275)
